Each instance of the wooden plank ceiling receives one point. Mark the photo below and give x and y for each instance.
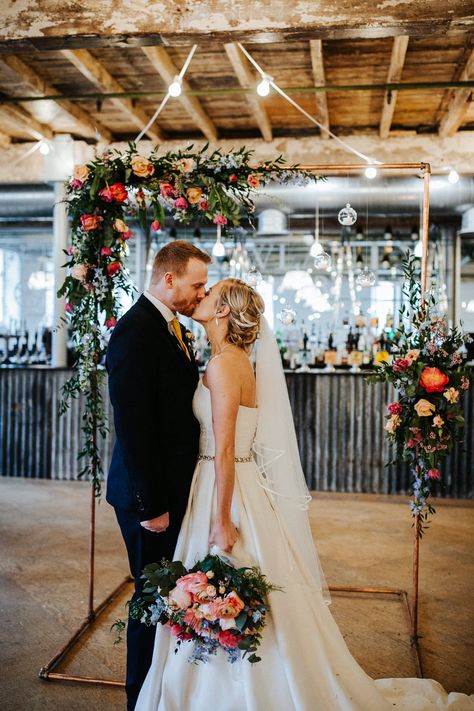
(236, 114)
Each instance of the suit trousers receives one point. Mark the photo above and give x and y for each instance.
(143, 547)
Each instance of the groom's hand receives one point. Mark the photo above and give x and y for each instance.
(158, 524)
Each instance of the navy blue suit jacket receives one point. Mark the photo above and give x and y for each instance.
(151, 385)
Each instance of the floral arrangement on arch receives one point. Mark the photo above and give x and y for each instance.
(430, 376)
(215, 188)
(213, 605)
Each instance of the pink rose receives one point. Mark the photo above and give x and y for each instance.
(156, 225)
(126, 235)
(79, 272)
(401, 364)
(76, 184)
(203, 205)
(166, 190)
(106, 195)
(193, 582)
(180, 598)
(434, 473)
(113, 268)
(229, 640)
(180, 203)
(69, 307)
(220, 220)
(395, 408)
(105, 252)
(111, 322)
(411, 443)
(70, 250)
(90, 222)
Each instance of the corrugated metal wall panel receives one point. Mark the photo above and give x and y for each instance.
(339, 423)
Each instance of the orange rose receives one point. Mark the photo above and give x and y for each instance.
(142, 167)
(433, 380)
(193, 195)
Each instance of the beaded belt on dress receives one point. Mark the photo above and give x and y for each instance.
(211, 458)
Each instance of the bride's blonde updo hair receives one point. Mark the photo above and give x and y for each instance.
(246, 307)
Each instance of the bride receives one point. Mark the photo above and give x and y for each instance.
(249, 498)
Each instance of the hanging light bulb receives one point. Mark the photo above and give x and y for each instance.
(322, 261)
(370, 172)
(44, 148)
(218, 249)
(366, 277)
(453, 177)
(263, 88)
(253, 277)
(287, 316)
(347, 216)
(175, 87)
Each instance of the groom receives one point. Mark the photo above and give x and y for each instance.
(152, 378)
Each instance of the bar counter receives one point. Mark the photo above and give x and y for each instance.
(339, 423)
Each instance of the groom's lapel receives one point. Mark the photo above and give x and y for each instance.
(163, 325)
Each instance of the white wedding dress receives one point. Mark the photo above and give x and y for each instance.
(306, 665)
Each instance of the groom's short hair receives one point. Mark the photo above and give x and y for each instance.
(174, 257)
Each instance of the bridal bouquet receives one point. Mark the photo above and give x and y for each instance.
(430, 374)
(213, 605)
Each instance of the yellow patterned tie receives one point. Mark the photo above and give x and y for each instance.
(177, 332)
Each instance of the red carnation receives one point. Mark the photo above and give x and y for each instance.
(395, 408)
(105, 252)
(232, 178)
(434, 473)
(229, 640)
(156, 225)
(111, 322)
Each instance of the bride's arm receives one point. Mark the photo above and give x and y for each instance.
(224, 387)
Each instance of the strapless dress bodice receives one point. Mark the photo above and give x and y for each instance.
(245, 428)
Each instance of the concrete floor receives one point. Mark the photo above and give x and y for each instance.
(362, 540)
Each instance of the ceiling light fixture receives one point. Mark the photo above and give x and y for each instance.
(263, 89)
(175, 87)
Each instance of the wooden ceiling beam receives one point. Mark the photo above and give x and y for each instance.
(96, 73)
(85, 124)
(317, 62)
(164, 65)
(397, 60)
(248, 80)
(459, 104)
(27, 123)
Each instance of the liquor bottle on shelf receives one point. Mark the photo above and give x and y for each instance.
(330, 354)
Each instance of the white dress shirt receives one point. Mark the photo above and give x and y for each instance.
(164, 310)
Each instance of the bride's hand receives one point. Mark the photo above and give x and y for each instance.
(224, 536)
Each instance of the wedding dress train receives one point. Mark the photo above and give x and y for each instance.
(305, 665)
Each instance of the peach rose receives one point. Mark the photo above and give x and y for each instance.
(193, 582)
(253, 180)
(451, 395)
(142, 167)
(81, 172)
(120, 226)
(433, 380)
(90, 222)
(230, 606)
(392, 424)
(79, 272)
(413, 355)
(186, 165)
(424, 408)
(208, 612)
(179, 598)
(438, 421)
(193, 195)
